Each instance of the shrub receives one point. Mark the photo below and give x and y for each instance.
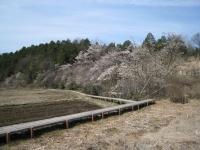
(73, 86)
(61, 85)
(177, 90)
(177, 95)
(93, 89)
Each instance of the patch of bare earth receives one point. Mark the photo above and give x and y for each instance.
(30, 112)
(164, 125)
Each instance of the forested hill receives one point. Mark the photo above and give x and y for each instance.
(34, 59)
(126, 69)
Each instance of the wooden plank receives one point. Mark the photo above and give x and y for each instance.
(46, 122)
(74, 116)
(117, 100)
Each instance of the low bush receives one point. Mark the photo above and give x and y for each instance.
(73, 86)
(176, 90)
(93, 89)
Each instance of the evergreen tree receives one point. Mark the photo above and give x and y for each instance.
(35, 59)
(126, 44)
(149, 42)
(161, 43)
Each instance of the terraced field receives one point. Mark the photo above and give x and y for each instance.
(17, 106)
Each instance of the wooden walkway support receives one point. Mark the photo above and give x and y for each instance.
(6, 131)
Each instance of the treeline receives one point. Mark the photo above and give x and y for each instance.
(188, 48)
(34, 59)
(30, 61)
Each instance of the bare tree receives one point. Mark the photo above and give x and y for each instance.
(133, 72)
(196, 39)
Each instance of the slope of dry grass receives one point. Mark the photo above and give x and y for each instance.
(24, 96)
(29, 96)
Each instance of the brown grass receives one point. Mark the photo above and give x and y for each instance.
(165, 125)
(24, 96)
(29, 96)
(177, 89)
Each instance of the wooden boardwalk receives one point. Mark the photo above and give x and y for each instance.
(6, 131)
(111, 99)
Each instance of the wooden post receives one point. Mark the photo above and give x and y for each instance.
(147, 103)
(102, 115)
(92, 117)
(31, 132)
(119, 111)
(132, 108)
(138, 107)
(66, 124)
(7, 138)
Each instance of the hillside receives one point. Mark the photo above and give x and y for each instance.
(30, 61)
(119, 70)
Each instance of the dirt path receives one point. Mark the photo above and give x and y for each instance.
(164, 125)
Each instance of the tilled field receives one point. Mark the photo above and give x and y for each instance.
(29, 112)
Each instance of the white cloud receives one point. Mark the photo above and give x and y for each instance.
(18, 3)
(149, 2)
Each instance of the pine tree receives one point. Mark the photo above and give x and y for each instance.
(149, 42)
(161, 43)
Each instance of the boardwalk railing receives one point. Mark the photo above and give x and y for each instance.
(111, 99)
(34, 125)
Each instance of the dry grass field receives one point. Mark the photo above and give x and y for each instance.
(27, 96)
(164, 125)
(24, 96)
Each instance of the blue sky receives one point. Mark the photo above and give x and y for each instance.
(26, 22)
